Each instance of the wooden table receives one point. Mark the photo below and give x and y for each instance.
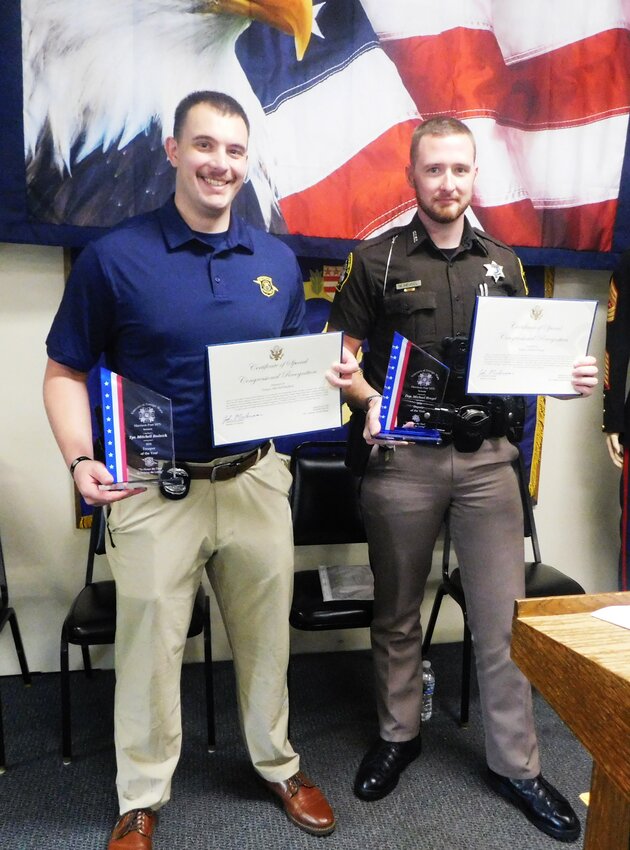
(581, 665)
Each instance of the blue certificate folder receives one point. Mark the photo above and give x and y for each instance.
(415, 383)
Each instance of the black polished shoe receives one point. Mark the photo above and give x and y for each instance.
(539, 801)
(382, 765)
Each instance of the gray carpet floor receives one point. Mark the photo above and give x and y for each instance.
(441, 802)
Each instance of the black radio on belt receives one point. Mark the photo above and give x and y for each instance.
(508, 416)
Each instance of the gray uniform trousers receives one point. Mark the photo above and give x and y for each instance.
(404, 495)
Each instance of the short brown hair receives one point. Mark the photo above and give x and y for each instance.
(223, 103)
(441, 125)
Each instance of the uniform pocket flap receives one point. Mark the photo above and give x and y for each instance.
(410, 302)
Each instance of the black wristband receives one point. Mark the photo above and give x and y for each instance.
(76, 462)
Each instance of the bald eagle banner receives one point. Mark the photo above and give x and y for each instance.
(333, 90)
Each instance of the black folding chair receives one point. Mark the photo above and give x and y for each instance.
(8, 615)
(325, 510)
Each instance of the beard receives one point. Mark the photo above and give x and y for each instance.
(440, 214)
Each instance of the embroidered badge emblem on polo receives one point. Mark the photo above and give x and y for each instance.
(266, 285)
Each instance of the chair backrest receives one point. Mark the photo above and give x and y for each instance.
(324, 498)
(96, 545)
(4, 590)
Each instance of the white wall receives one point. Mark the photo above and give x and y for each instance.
(577, 513)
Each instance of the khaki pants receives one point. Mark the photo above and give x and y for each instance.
(240, 531)
(404, 496)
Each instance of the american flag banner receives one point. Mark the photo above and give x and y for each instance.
(333, 90)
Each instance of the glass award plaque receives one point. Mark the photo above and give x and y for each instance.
(414, 386)
(137, 431)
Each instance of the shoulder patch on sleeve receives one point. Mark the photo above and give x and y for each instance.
(346, 271)
(613, 296)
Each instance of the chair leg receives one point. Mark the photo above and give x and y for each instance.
(66, 719)
(87, 661)
(19, 648)
(428, 635)
(3, 765)
(207, 666)
(289, 693)
(466, 672)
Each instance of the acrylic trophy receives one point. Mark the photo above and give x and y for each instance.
(415, 385)
(137, 432)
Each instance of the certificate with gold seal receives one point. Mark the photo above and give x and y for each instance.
(527, 346)
(273, 387)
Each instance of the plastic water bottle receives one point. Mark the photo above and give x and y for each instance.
(428, 687)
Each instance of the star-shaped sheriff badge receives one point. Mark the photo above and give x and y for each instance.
(494, 270)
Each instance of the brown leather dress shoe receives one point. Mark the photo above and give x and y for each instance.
(304, 804)
(134, 831)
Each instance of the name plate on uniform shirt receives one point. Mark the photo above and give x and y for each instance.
(527, 346)
(272, 387)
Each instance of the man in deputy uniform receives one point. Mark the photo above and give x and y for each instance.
(151, 295)
(421, 280)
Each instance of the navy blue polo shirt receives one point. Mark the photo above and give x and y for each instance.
(151, 294)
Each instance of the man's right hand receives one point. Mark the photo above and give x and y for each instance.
(68, 408)
(89, 474)
(615, 449)
(372, 426)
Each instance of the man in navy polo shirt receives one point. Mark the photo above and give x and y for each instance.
(151, 295)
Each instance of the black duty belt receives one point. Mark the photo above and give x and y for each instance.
(504, 412)
(468, 426)
(230, 469)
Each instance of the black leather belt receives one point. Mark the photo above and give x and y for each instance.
(230, 469)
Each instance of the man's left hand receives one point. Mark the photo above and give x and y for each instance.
(340, 374)
(584, 375)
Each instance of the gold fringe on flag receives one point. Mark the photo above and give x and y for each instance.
(541, 408)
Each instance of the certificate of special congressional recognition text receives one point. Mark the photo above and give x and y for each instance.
(272, 387)
(527, 346)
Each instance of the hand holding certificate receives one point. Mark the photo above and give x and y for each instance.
(527, 346)
(272, 387)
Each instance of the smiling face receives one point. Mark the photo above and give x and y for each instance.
(442, 174)
(210, 155)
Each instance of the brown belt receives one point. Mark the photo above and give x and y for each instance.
(225, 471)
